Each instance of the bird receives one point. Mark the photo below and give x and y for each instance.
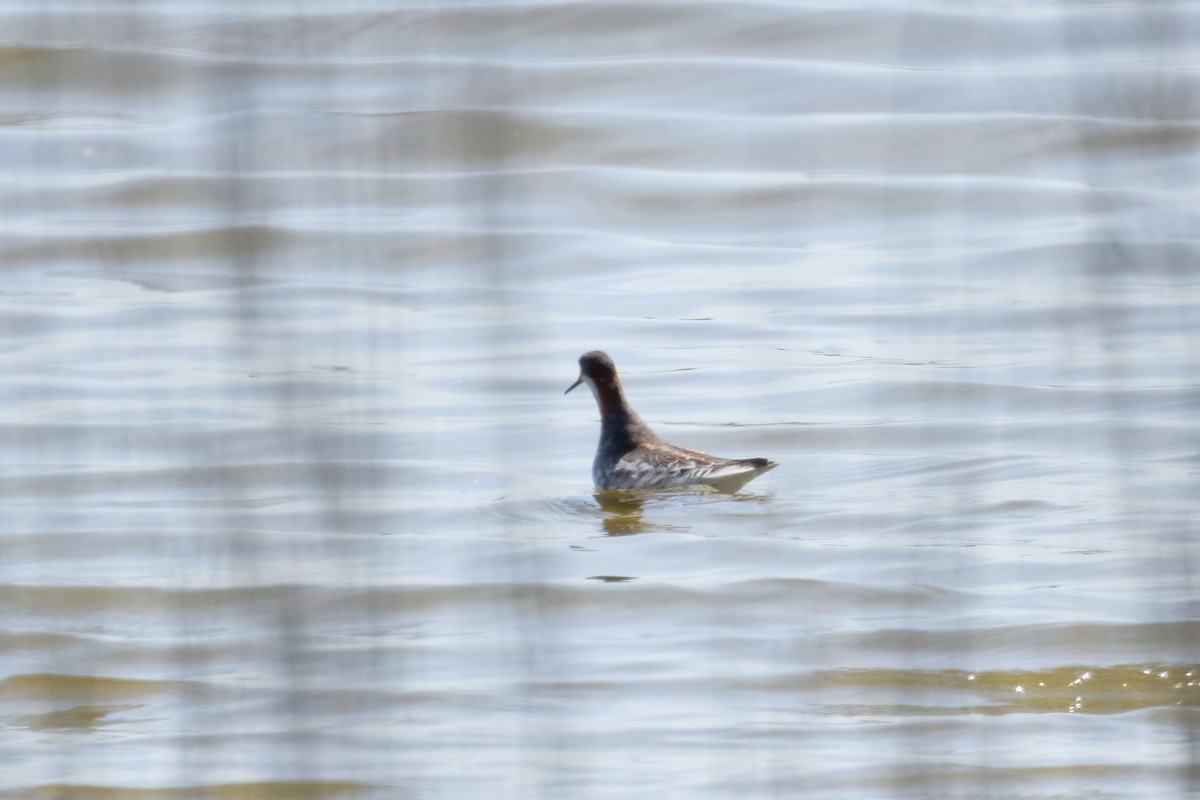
(631, 456)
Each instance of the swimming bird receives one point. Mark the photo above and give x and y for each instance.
(631, 456)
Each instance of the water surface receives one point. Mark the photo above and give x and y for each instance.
(292, 505)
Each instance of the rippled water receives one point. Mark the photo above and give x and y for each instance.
(292, 505)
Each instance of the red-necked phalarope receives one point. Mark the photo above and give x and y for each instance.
(631, 456)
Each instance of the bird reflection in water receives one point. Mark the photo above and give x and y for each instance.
(624, 509)
(623, 513)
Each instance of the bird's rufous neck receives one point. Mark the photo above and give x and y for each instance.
(611, 399)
